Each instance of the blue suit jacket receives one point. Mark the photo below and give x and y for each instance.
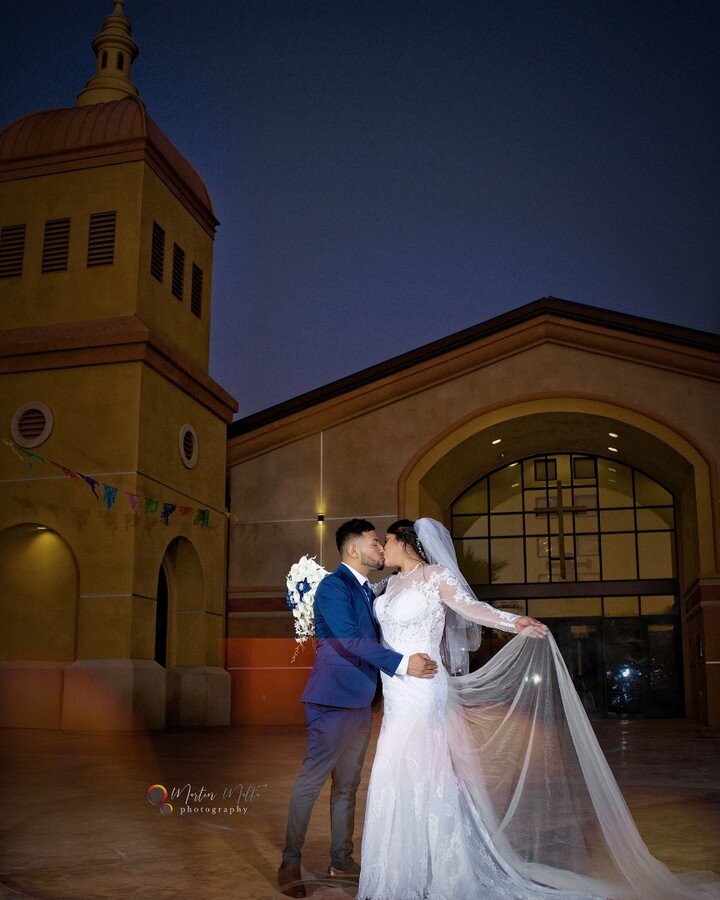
(349, 651)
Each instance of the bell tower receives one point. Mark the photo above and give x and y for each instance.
(115, 51)
(106, 253)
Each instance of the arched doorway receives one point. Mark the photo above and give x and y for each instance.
(38, 595)
(588, 544)
(498, 435)
(180, 606)
(39, 588)
(161, 619)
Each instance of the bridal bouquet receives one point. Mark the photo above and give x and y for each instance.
(302, 581)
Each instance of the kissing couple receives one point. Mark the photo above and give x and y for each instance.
(484, 784)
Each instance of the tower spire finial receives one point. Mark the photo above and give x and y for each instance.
(115, 51)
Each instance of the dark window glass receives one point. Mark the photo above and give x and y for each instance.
(545, 470)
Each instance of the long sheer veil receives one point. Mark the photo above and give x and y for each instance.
(460, 636)
(531, 768)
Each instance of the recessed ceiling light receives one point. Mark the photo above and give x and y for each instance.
(614, 449)
(497, 440)
(612, 434)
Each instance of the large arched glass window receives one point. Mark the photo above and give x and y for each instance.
(587, 544)
(614, 523)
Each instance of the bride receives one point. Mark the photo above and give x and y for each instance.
(490, 783)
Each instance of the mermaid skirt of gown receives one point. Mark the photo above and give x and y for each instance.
(423, 836)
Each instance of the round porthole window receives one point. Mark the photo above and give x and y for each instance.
(31, 424)
(188, 445)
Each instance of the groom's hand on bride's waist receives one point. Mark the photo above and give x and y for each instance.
(421, 666)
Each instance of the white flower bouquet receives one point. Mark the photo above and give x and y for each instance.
(302, 581)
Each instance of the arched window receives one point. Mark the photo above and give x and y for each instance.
(617, 524)
(587, 544)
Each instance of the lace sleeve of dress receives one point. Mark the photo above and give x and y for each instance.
(379, 587)
(456, 597)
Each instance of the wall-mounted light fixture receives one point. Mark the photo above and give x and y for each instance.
(321, 518)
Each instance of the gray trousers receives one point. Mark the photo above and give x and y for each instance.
(337, 739)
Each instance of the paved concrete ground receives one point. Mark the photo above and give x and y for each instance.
(75, 821)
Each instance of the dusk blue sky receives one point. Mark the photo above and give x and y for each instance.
(387, 173)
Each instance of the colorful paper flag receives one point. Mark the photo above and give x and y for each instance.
(32, 458)
(167, 510)
(14, 450)
(64, 469)
(110, 493)
(91, 483)
(133, 501)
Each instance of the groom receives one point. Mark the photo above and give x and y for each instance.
(342, 685)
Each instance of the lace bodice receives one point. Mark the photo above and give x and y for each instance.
(411, 609)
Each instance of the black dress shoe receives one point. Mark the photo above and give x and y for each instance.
(290, 880)
(352, 872)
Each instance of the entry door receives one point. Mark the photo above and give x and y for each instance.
(665, 692)
(624, 667)
(580, 642)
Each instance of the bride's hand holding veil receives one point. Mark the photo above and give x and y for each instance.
(534, 628)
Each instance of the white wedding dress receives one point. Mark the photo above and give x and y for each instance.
(492, 784)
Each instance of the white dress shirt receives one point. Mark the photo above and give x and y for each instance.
(405, 661)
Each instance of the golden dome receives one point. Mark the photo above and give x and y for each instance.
(59, 135)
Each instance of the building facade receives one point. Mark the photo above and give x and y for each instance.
(573, 453)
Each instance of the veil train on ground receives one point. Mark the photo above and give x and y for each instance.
(523, 745)
(531, 766)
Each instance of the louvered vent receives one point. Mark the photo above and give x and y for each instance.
(101, 239)
(188, 444)
(196, 291)
(157, 252)
(178, 272)
(31, 424)
(56, 245)
(12, 250)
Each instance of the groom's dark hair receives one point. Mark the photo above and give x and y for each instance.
(350, 529)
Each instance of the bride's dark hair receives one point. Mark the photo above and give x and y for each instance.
(404, 531)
